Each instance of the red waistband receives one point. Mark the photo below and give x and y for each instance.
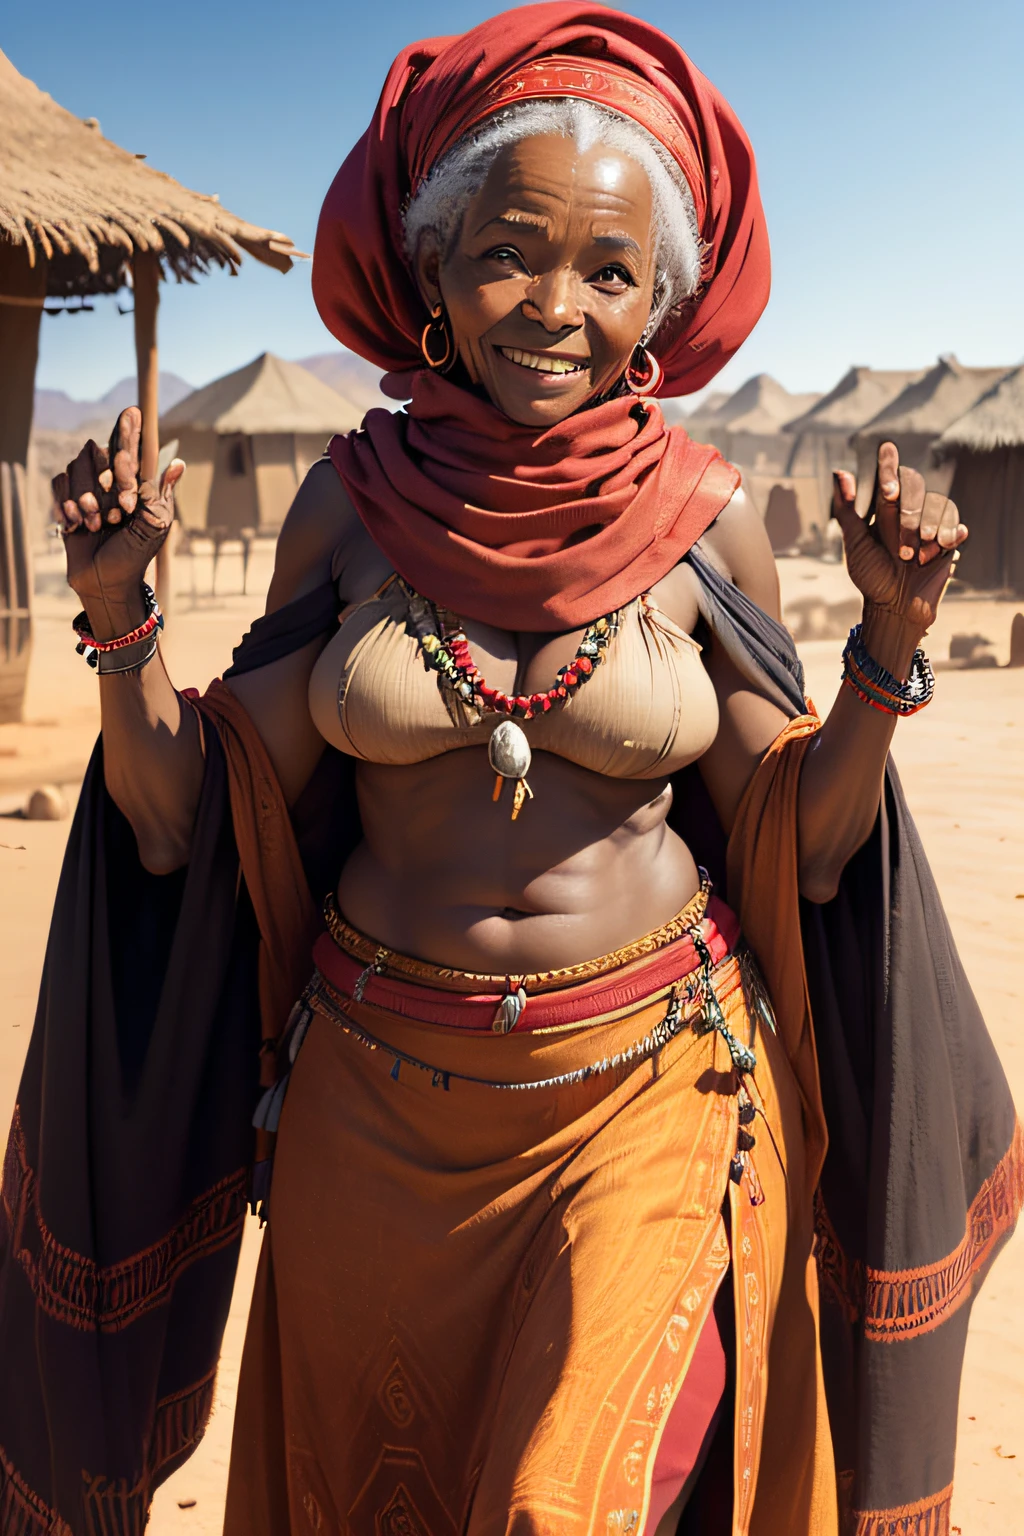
(574, 1004)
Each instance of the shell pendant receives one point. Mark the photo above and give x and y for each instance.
(508, 753)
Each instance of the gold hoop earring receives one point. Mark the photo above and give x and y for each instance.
(436, 330)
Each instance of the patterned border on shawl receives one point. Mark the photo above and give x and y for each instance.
(77, 1291)
(908, 1302)
(928, 1517)
(113, 1506)
(22, 1511)
(902, 1303)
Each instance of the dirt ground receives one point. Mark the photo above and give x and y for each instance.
(963, 767)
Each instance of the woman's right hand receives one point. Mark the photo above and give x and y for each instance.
(113, 525)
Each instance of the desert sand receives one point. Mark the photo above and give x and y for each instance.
(963, 767)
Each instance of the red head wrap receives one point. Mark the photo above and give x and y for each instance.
(438, 89)
(495, 520)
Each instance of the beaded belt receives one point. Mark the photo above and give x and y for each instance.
(386, 962)
(701, 970)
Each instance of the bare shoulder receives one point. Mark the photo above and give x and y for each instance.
(738, 545)
(321, 522)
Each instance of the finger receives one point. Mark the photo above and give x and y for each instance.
(949, 525)
(931, 516)
(171, 475)
(125, 459)
(886, 498)
(71, 514)
(888, 478)
(104, 479)
(80, 472)
(152, 507)
(912, 495)
(100, 462)
(61, 489)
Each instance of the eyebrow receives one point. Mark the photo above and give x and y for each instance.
(515, 219)
(619, 242)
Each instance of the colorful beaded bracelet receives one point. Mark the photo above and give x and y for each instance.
(91, 648)
(877, 686)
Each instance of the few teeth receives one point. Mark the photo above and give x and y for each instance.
(542, 364)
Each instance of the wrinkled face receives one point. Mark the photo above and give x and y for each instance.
(548, 288)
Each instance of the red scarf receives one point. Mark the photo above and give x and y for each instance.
(528, 530)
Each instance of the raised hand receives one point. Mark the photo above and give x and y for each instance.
(902, 554)
(113, 525)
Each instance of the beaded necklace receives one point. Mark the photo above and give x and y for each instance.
(449, 654)
(446, 650)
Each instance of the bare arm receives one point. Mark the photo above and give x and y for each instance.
(842, 776)
(113, 527)
(153, 760)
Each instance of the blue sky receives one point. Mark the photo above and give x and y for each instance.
(889, 137)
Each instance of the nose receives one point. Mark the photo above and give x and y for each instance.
(552, 299)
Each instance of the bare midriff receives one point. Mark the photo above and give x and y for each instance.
(443, 872)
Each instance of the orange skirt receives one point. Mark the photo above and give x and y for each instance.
(478, 1302)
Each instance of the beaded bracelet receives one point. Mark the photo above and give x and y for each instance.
(877, 686)
(93, 649)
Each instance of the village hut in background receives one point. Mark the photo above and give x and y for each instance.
(78, 217)
(248, 439)
(747, 426)
(916, 418)
(820, 439)
(984, 449)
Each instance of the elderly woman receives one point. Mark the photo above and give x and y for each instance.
(548, 1122)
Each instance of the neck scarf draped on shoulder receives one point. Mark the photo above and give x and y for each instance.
(529, 529)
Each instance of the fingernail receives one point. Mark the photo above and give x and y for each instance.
(890, 489)
(906, 553)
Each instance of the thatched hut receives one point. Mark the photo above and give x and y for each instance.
(248, 439)
(747, 426)
(79, 216)
(986, 448)
(820, 439)
(916, 418)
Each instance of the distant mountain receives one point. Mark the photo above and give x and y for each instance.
(351, 376)
(56, 411)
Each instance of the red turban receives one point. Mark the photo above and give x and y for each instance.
(439, 88)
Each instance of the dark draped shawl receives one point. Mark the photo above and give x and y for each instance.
(124, 1184)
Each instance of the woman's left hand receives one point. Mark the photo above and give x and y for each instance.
(901, 555)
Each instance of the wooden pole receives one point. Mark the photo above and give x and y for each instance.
(146, 276)
(22, 291)
(146, 282)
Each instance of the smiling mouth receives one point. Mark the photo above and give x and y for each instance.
(542, 363)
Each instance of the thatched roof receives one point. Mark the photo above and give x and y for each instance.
(267, 395)
(860, 394)
(995, 421)
(929, 404)
(70, 196)
(760, 406)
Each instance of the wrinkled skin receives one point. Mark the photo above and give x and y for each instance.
(554, 260)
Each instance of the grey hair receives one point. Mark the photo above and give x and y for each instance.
(439, 205)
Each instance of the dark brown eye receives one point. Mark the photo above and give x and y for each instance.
(613, 273)
(506, 253)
